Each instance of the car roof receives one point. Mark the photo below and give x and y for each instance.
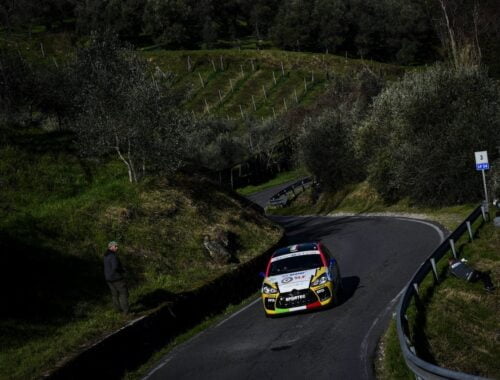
(313, 246)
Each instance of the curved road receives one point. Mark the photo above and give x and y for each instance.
(377, 256)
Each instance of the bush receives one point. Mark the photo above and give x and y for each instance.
(421, 135)
(327, 143)
(327, 149)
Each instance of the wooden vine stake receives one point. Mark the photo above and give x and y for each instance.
(241, 111)
(254, 106)
(274, 78)
(296, 98)
(201, 80)
(213, 65)
(264, 91)
(282, 69)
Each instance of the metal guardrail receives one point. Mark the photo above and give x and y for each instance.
(283, 197)
(421, 368)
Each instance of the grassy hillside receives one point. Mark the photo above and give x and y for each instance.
(265, 83)
(228, 83)
(56, 214)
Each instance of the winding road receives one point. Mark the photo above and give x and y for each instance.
(377, 256)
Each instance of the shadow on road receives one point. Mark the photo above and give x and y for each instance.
(315, 228)
(349, 286)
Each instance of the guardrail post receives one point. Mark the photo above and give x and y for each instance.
(434, 269)
(469, 228)
(483, 211)
(453, 250)
(415, 286)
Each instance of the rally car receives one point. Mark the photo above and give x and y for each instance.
(300, 277)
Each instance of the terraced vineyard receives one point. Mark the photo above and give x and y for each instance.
(236, 84)
(229, 83)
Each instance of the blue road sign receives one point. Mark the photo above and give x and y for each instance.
(483, 166)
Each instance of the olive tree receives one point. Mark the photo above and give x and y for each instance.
(328, 149)
(422, 132)
(126, 109)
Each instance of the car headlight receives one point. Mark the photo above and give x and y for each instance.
(267, 289)
(320, 280)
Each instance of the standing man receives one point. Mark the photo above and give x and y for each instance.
(114, 275)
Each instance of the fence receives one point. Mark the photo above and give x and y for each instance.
(258, 168)
(282, 198)
(419, 367)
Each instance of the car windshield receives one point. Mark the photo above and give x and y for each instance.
(295, 264)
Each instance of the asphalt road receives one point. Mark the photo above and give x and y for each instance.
(377, 257)
(262, 197)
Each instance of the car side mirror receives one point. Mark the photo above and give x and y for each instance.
(262, 275)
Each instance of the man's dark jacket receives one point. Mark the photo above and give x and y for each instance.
(113, 269)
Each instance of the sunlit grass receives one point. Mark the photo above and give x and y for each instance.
(278, 180)
(363, 199)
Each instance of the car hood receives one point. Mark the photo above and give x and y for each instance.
(295, 280)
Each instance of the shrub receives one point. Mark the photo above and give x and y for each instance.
(422, 132)
(327, 149)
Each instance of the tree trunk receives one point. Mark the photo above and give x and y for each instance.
(451, 33)
(130, 177)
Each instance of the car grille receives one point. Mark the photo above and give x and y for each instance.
(323, 293)
(295, 298)
(269, 303)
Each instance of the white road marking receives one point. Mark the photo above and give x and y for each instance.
(238, 312)
(439, 231)
(364, 343)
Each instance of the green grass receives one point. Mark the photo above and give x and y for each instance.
(250, 71)
(389, 362)
(460, 320)
(57, 213)
(278, 180)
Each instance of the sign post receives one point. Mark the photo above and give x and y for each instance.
(482, 164)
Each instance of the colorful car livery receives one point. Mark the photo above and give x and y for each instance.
(300, 277)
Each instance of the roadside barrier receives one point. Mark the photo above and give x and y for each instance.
(283, 197)
(421, 368)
